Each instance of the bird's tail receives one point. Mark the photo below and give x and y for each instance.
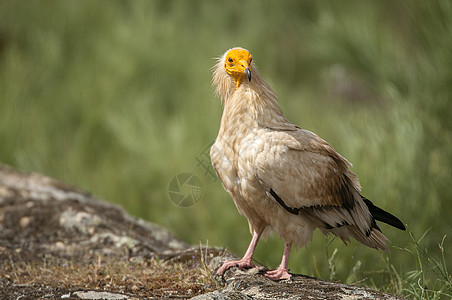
(375, 239)
(382, 215)
(351, 223)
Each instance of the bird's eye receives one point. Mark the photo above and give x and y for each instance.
(230, 60)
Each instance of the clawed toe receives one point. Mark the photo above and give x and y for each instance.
(278, 274)
(241, 264)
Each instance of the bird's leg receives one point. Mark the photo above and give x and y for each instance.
(282, 272)
(246, 261)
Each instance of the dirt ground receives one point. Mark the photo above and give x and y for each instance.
(30, 276)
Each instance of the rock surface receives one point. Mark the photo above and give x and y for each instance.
(44, 220)
(42, 215)
(250, 284)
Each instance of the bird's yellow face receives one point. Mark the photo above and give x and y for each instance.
(237, 64)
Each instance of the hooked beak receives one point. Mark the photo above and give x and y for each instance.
(248, 73)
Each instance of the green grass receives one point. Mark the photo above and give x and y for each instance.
(115, 97)
(431, 278)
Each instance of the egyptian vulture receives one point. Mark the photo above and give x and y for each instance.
(283, 178)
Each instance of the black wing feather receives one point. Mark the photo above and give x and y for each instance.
(382, 215)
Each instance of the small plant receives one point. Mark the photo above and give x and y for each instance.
(431, 279)
(207, 274)
(332, 265)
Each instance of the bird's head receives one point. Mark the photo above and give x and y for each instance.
(237, 64)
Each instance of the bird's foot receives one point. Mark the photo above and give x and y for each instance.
(241, 264)
(279, 274)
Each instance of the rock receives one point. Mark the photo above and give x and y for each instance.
(245, 286)
(251, 284)
(42, 215)
(100, 295)
(223, 295)
(44, 220)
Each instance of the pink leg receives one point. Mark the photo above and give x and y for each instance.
(246, 261)
(282, 272)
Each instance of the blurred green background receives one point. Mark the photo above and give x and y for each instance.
(115, 97)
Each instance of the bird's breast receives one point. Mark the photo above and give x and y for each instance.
(233, 157)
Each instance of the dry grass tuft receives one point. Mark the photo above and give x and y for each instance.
(152, 277)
